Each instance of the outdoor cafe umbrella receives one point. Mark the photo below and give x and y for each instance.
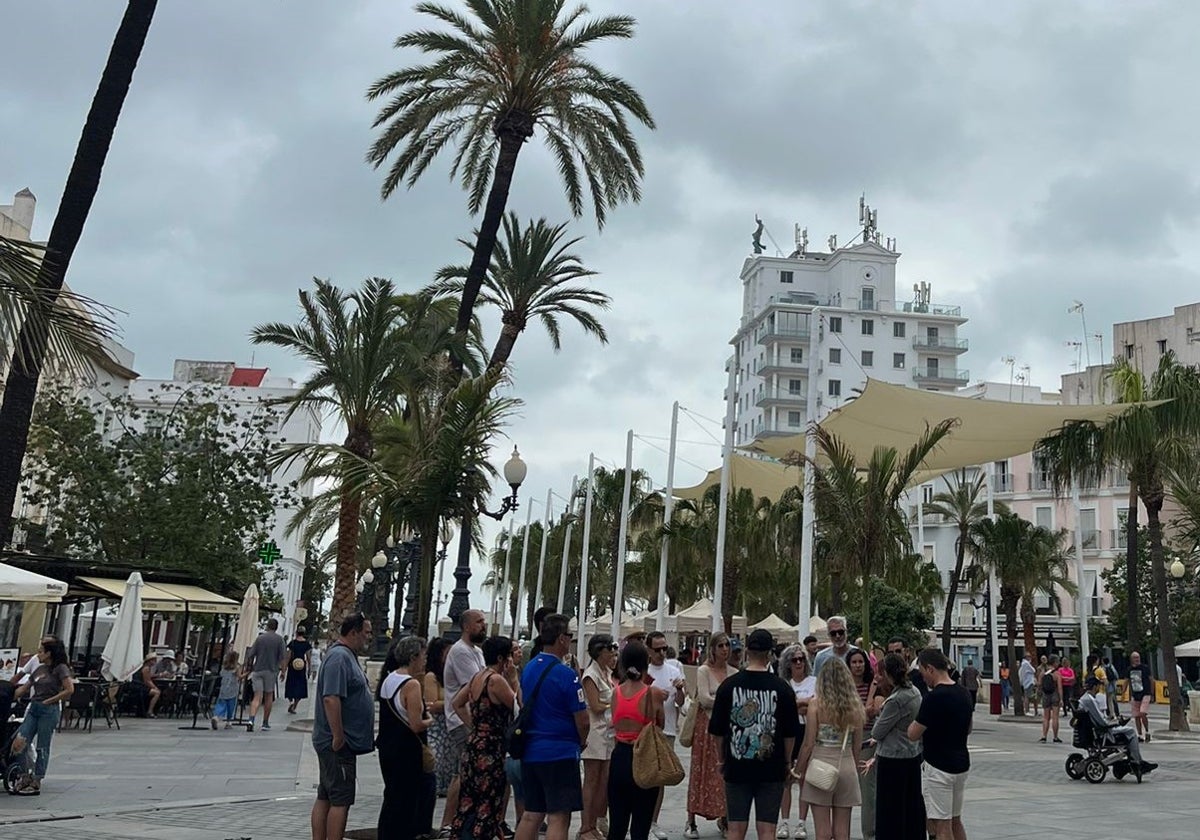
(247, 628)
(123, 652)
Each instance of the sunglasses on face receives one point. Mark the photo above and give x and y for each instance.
(658, 649)
(837, 632)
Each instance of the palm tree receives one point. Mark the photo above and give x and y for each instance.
(528, 279)
(83, 181)
(368, 350)
(1145, 440)
(858, 506)
(505, 70)
(962, 505)
(1026, 559)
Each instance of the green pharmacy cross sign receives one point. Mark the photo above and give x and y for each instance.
(269, 553)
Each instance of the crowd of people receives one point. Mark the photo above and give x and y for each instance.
(486, 723)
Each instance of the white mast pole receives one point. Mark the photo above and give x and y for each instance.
(580, 642)
(623, 546)
(562, 573)
(537, 593)
(524, 566)
(723, 508)
(809, 509)
(668, 509)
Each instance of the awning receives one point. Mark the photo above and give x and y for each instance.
(764, 478)
(153, 598)
(198, 599)
(988, 430)
(21, 585)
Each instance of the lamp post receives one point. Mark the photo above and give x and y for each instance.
(514, 474)
(387, 566)
(445, 536)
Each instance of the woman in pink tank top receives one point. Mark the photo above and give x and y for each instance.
(634, 707)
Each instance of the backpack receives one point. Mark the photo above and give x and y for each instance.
(1048, 684)
(1111, 673)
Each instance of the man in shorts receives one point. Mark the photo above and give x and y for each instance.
(557, 734)
(942, 725)
(343, 727)
(754, 722)
(463, 661)
(1141, 694)
(266, 662)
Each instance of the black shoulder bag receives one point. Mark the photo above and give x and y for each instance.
(517, 735)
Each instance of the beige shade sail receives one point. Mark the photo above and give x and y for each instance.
(200, 600)
(764, 478)
(153, 598)
(988, 430)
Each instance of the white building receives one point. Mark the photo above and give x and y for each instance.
(863, 329)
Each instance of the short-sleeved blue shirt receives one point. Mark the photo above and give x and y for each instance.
(553, 736)
(341, 676)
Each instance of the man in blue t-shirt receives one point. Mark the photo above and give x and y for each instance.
(550, 767)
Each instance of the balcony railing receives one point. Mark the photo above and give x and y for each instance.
(933, 343)
(933, 309)
(942, 374)
(783, 396)
(1117, 538)
(767, 367)
(1004, 483)
(770, 335)
(1040, 481)
(1091, 539)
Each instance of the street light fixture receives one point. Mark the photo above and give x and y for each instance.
(1177, 569)
(515, 471)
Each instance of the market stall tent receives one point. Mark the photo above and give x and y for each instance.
(21, 585)
(777, 627)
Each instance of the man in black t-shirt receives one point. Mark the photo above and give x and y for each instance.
(1141, 693)
(755, 724)
(942, 725)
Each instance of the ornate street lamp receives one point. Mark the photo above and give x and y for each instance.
(515, 471)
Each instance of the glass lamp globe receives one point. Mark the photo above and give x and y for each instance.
(380, 559)
(515, 470)
(368, 576)
(1178, 570)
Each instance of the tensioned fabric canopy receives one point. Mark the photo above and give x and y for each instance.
(166, 597)
(765, 478)
(21, 585)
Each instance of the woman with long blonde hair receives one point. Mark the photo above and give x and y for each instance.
(706, 786)
(833, 734)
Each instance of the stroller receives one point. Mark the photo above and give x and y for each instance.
(12, 767)
(1104, 750)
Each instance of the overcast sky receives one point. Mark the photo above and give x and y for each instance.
(1024, 154)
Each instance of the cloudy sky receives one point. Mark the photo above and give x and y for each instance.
(1024, 154)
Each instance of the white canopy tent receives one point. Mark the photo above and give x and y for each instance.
(21, 585)
(1189, 650)
(777, 627)
(698, 618)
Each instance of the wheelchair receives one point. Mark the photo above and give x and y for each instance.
(1104, 750)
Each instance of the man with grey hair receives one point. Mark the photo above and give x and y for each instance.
(266, 662)
(839, 637)
(463, 661)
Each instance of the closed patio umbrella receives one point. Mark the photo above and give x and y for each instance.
(247, 627)
(123, 652)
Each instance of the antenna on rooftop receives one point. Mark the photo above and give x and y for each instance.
(1077, 306)
(832, 242)
(801, 239)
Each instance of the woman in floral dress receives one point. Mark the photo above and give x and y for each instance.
(486, 706)
(706, 787)
(435, 699)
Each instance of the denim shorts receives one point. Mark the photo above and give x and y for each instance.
(512, 769)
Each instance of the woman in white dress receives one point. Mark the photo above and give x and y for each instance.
(796, 669)
(597, 692)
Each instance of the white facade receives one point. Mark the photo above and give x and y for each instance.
(863, 330)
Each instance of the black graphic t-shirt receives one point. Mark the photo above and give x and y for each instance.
(754, 711)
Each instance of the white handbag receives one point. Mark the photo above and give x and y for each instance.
(821, 774)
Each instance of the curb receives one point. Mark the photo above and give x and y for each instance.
(147, 808)
(301, 725)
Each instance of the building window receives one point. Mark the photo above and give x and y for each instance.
(926, 493)
(795, 386)
(1129, 352)
(797, 355)
(898, 361)
(835, 355)
(1162, 346)
(835, 324)
(835, 387)
(795, 419)
(1043, 517)
(868, 358)
(786, 277)
(868, 326)
(868, 298)
(898, 329)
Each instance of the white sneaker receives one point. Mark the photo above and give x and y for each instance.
(690, 832)
(782, 833)
(602, 826)
(801, 832)
(657, 832)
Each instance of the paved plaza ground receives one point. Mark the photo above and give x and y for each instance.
(153, 780)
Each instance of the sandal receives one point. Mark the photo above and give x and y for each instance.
(29, 786)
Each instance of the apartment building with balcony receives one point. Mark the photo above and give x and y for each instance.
(835, 315)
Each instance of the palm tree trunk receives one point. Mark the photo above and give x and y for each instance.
(1027, 621)
(512, 131)
(960, 551)
(504, 347)
(835, 593)
(1132, 618)
(1166, 632)
(83, 181)
(346, 569)
(424, 583)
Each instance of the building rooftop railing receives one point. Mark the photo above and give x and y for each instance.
(942, 374)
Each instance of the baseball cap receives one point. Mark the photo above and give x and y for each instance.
(761, 641)
(1091, 682)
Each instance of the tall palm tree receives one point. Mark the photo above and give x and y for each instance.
(858, 507)
(83, 181)
(368, 349)
(505, 70)
(1146, 440)
(962, 504)
(529, 278)
(1026, 559)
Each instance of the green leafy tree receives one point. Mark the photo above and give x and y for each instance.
(962, 505)
(893, 613)
(858, 506)
(180, 483)
(500, 73)
(83, 182)
(1155, 432)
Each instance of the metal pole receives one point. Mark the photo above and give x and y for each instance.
(993, 583)
(537, 593)
(623, 538)
(808, 507)
(499, 598)
(524, 566)
(460, 597)
(562, 572)
(581, 617)
(723, 507)
(1081, 600)
(668, 509)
